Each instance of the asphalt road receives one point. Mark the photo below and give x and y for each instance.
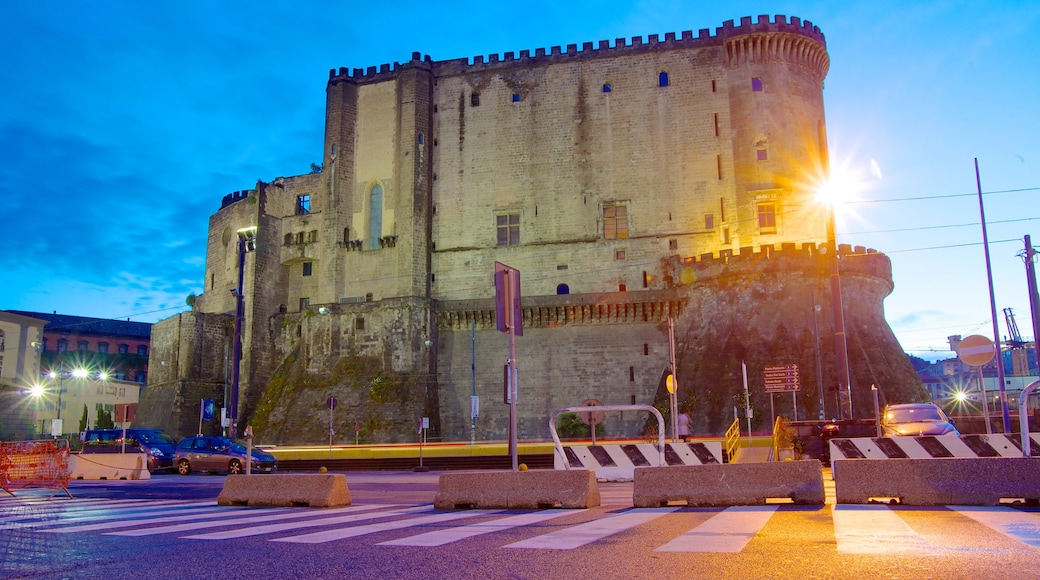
(170, 527)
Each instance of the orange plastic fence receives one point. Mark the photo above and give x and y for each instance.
(34, 464)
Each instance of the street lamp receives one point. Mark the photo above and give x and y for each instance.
(246, 243)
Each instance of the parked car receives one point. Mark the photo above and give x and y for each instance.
(219, 454)
(916, 419)
(157, 444)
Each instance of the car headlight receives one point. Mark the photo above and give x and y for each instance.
(155, 451)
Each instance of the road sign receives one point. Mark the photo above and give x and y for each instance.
(508, 313)
(669, 384)
(592, 417)
(975, 350)
(331, 403)
(781, 378)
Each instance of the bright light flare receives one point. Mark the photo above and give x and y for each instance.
(36, 390)
(80, 373)
(960, 396)
(102, 376)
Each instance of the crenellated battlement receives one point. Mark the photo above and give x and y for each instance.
(605, 49)
(788, 257)
(234, 197)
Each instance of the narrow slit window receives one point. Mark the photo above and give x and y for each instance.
(662, 79)
(474, 99)
(716, 115)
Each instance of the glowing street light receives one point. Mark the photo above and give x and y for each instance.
(246, 243)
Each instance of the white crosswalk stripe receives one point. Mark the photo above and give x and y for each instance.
(342, 534)
(589, 532)
(441, 537)
(1024, 527)
(876, 529)
(857, 529)
(728, 531)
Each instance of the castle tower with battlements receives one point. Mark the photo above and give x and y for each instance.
(594, 170)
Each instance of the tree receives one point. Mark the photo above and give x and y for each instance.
(104, 419)
(190, 301)
(83, 420)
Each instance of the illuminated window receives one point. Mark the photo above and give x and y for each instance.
(615, 220)
(508, 228)
(662, 79)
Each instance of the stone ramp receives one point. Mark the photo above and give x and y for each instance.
(753, 455)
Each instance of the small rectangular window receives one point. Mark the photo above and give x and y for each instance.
(359, 324)
(673, 244)
(304, 303)
(713, 85)
(124, 348)
(308, 268)
(607, 88)
(142, 350)
(516, 97)
(760, 154)
(303, 204)
(646, 349)
(709, 221)
(632, 374)
(508, 229)
(767, 217)
(312, 236)
(102, 347)
(756, 85)
(725, 235)
(615, 220)
(620, 254)
(474, 99)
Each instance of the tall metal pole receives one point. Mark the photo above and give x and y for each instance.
(841, 352)
(674, 395)
(1034, 311)
(472, 380)
(993, 313)
(237, 346)
(816, 351)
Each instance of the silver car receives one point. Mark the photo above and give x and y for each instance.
(219, 454)
(911, 419)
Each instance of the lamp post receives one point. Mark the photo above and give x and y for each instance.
(246, 243)
(841, 352)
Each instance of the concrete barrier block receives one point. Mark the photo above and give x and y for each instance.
(109, 466)
(286, 490)
(982, 481)
(730, 484)
(574, 489)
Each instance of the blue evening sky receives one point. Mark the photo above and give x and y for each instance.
(122, 124)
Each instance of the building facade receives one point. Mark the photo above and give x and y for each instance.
(593, 170)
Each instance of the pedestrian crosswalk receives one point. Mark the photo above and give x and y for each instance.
(853, 529)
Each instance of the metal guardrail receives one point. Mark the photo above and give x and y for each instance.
(732, 440)
(558, 445)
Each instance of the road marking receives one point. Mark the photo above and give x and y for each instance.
(332, 535)
(876, 529)
(190, 513)
(447, 536)
(1022, 526)
(83, 511)
(728, 531)
(104, 526)
(285, 526)
(281, 514)
(589, 532)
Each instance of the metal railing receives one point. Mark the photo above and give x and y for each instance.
(558, 445)
(732, 440)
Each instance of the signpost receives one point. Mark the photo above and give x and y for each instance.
(509, 319)
(591, 418)
(977, 350)
(331, 403)
(782, 379)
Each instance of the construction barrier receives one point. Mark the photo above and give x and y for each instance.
(732, 484)
(105, 466)
(618, 462)
(286, 490)
(575, 489)
(932, 446)
(42, 464)
(974, 481)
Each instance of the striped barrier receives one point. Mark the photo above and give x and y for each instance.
(618, 462)
(928, 447)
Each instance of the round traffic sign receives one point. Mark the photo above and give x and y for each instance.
(591, 417)
(975, 350)
(669, 384)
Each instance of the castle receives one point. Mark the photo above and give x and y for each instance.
(628, 182)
